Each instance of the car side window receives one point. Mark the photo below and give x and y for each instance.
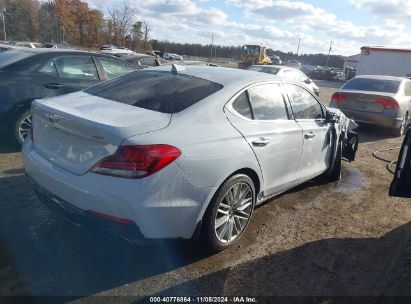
(76, 67)
(242, 105)
(303, 104)
(267, 102)
(49, 69)
(115, 68)
(148, 62)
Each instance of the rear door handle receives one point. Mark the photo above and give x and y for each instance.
(53, 86)
(261, 142)
(309, 135)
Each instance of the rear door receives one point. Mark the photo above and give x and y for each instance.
(262, 117)
(310, 116)
(67, 73)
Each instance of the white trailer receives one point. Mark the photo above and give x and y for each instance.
(378, 60)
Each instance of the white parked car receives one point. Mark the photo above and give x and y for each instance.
(196, 156)
(172, 56)
(31, 45)
(288, 73)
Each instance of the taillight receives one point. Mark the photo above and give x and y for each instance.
(388, 103)
(137, 161)
(338, 97)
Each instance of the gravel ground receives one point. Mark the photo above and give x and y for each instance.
(342, 238)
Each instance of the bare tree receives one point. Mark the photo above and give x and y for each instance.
(119, 23)
(146, 31)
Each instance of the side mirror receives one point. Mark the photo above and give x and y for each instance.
(400, 186)
(332, 117)
(308, 81)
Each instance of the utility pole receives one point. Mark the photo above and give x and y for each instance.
(329, 51)
(3, 11)
(298, 47)
(212, 42)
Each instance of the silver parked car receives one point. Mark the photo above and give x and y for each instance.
(288, 73)
(196, 155)
(377, 100)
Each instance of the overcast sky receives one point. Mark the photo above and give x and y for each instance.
(350, 24)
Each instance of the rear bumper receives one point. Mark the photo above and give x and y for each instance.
(388, 120)
(129, 231)
(164, 205)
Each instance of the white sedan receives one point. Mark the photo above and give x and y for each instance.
(182, 152)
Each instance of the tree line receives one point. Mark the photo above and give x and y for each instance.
(74, 22)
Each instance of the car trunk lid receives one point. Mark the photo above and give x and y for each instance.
(364, 100)
(75, 131)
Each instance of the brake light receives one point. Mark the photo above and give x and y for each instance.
(388, 103)
(338, 97)
(137, 161)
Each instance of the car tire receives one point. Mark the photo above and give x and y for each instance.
(22, 127)
(403, 128)
(335, 173)
(229, 213)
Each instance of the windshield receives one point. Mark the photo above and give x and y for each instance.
(264, 69)
(160, 91)
(12, 56)
(374, 85)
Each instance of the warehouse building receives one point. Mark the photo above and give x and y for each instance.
(379, 60)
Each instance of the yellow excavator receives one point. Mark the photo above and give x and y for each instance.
(253, 54)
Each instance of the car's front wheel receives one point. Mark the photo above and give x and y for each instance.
(229, 212)
(22, 127)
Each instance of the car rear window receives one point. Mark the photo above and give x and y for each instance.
(160, 91)
(10, 57)
(375, 85)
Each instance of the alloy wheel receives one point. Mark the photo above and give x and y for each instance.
(233, 213)
(24, 128)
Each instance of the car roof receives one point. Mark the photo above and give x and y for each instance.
(39, 51)
(224, 76)
(381, 77)
(47, 50)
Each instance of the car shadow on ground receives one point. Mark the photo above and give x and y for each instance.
(371, 133)
(41, 253)
(375, 267)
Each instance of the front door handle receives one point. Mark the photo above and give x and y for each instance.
(309, 135)
(261, 142)
(53, 85)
